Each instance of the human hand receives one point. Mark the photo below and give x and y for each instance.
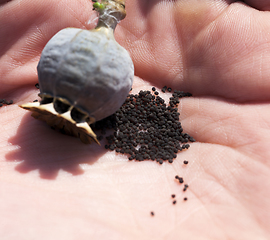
(218, 51)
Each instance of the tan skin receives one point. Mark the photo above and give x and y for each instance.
(54, 187)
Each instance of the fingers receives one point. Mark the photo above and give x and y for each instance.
(225, 50)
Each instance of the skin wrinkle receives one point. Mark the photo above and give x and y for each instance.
(156, 47)
(225, 187)
(233, 115)
(179, 61)
(197, 209)
(252, 214)
(243, 166)
(138, 227)
(73, 13)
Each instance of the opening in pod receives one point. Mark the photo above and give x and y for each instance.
(78, 116)
(60, 106)
(46, 100)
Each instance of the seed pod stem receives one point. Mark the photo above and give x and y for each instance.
(111, 13)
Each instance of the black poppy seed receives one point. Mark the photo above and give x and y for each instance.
(100, 138)
(174, 202)
(173, 195)
(185, 162)
(164, 89)
(37, 85)
(185, 198)
(185, 187)
(152, 214)
(176, 177)
(169, 89)
(181, 180)
(4, 101)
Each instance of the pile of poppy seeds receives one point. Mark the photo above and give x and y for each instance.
(145, 128)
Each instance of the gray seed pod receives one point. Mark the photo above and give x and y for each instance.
(84, 76)
(87, 70)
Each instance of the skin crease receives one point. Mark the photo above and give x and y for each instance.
(54, 187)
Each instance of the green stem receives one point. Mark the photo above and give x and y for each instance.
(112, 14)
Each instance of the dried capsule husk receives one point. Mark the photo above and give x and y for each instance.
(84, 76)
(88, 69)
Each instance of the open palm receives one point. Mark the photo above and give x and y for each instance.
(54, 187)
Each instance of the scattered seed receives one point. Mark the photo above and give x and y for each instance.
(37, 85)
(185, 187)
(185, 162)
(174, 202)
(180, 179)
(173, 195)
(152, 213)
(185, 198)
(4, 101)
(164, 89)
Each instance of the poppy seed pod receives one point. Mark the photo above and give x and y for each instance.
(84, 76)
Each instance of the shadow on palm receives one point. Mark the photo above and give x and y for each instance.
(41, 148)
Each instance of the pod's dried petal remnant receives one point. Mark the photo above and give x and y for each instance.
(84, 75)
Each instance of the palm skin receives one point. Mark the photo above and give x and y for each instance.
(54, 187)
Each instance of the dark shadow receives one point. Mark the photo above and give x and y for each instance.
(146, 5)
(48, 151)
(4, 1)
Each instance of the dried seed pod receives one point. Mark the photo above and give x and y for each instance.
(84, 75)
